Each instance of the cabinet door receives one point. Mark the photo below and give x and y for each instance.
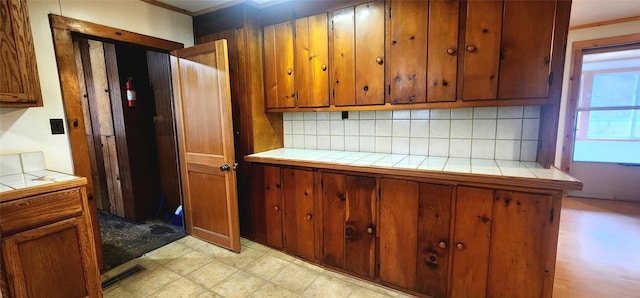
(397, 232)
(482, 50)
(472, 232)
(333, 215)
(360, 226)
(369, 28)
(442, 59)
(19, 81)
(278, 65)
(52, 261)
(519, 238)
(297, 220)
(348, 208)
(343, 57)
(273, 206)
(312, 61)
(434, 224)
(527, 32)
(407, 57)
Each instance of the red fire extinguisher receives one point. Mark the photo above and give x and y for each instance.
(131, 93)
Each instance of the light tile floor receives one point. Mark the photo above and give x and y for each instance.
(193, 268)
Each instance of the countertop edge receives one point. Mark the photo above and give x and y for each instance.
(422, 173)
(10, 195)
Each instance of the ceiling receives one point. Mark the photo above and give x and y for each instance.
(582, 11)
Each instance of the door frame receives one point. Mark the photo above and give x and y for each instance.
(62, 29)
(574, 88)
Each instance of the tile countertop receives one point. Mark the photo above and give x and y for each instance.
(515, 173)
(29, 179)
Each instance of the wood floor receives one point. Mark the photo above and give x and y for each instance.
(598, 249)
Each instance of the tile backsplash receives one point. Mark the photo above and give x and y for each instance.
(504, 133)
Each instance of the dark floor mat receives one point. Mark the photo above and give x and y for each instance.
(124, 240)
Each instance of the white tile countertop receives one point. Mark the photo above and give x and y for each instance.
(416, 164)
(29, 179)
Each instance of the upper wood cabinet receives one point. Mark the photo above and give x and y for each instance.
(507, 49)
(312, 61)
(19, 81)
(426, 53)
(279, 65)
(357, 34)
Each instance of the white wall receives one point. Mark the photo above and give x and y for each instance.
(598, 183)
(25, 130)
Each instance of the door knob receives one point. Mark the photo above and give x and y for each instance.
(371, 229)
(225, 167)
(235, 166)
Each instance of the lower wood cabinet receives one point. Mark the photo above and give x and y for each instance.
(505, 243)
(47, 245)
(438, 238)
(289, 210)
(415, 220)
(349, 223)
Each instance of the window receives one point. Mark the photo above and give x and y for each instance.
(608, 111)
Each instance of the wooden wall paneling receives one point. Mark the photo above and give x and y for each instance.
(333, 215)
(289, 202)
(434, 223)
(289, 10)
(265, 133)
(273, 206)
(318, 215)
(83, 66)
(94, 148)
(165, 134)
(482, 49)
(397, 226)
(442, 51)
(472, 232)
(229, 18)
(112, 171)
(360, 253)
(547, 140)
(122, 135)
(527, 31)
(407, 51)
(305, 215)
(369, 48)
(519, 237)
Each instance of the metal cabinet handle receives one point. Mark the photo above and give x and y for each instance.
(460, 246)
(370, 230)
(442, 244)
(277, 208)
(471, 48)
(451, 51)
(289, 71)
(324, 67)
(308, 217)
(379, 60)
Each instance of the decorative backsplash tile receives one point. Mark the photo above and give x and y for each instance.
(503, 133)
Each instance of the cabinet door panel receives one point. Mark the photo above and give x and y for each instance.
(312, 58)
(54, 259)
(397, 231)
(520, 230)
(333, 211)
(289, 200)
(343, 66)
(270, 66)
(482, 50)
(285, 73)
(527, 31)
(408, 51)
(304, 213)
(442, 60)
(273, 206)
(434, 222)
(369, 24)
(360, 244)
(472, 229)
